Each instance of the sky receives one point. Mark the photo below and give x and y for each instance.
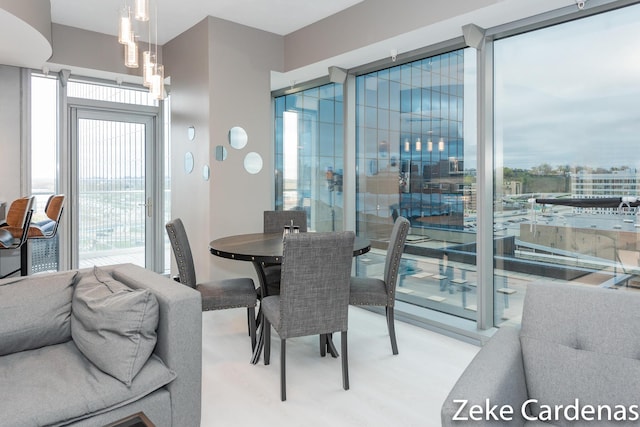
(570, 94)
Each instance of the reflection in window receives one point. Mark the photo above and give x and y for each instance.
(414, 160)
(310, 155)
(567, 125)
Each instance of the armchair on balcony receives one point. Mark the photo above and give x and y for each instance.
(577, 347)
(43, 236)
(15, 229)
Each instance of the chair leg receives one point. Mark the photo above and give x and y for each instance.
(323, 345)
(345, 360)
(251, 317)
(392, 330)
(24, 262)
(266, 332)
(283, 369)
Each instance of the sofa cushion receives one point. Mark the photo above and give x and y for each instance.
(113, 325)
(35, 311)
(581, 343)
(57, 385)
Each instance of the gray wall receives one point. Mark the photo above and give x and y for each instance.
(367, 23)
(10, 134)
(98, 54)
(220, 78)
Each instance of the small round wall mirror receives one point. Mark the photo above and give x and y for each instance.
(191, 133)
(253, 163)
(188, 162)
(206, 172)
(221, 153)
(237, 137)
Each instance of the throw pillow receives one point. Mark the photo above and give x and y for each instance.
(113, 325)
(35, 311)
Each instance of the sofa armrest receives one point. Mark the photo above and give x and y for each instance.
(495, 376)
(179, 342)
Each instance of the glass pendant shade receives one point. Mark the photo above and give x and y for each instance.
(157, 82)
(142, 10)
(418, 145)
(124, 30)
(441, 144)
(131, 53)
(407, 145)
(429, 145)
(148, 64)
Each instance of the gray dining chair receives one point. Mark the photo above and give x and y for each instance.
(218, 294)
(314, 294)
(274, 222)
(382, 292)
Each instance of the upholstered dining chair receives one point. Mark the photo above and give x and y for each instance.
(314, 294)
(382, 292)
(274, 222)
(216, 295)
(15, 229)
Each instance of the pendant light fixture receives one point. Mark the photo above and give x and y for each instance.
(148, 64)
(152, 71)
(131, 53)
(124, 29)
(142, 10)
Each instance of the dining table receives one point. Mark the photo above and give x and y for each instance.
(263, 249)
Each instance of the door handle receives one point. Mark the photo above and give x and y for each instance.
(149, 206)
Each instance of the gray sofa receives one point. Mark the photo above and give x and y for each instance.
(575, 361)
(93, 346)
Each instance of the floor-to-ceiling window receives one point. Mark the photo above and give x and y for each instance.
(310, 155)
(557, 174)
(45, 254)
(567, 126)
(416, 160)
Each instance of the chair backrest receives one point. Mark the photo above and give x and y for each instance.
(54, 207)
(18, 212)
(274, 221)
(314, 283)
(48, 228)
(182, 252)
(580, 341)
(394, 253)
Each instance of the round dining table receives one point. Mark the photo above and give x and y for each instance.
(262, 249)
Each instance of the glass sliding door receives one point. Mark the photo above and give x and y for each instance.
(115, 188)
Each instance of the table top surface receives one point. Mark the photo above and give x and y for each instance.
(264, 247)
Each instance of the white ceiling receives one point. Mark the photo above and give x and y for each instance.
(174, 17)
(285, 16)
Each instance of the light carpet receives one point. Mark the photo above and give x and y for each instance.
(385, 390)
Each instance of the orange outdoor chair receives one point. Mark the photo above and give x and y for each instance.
(42, 236)
(15, 229)
(47, 229)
